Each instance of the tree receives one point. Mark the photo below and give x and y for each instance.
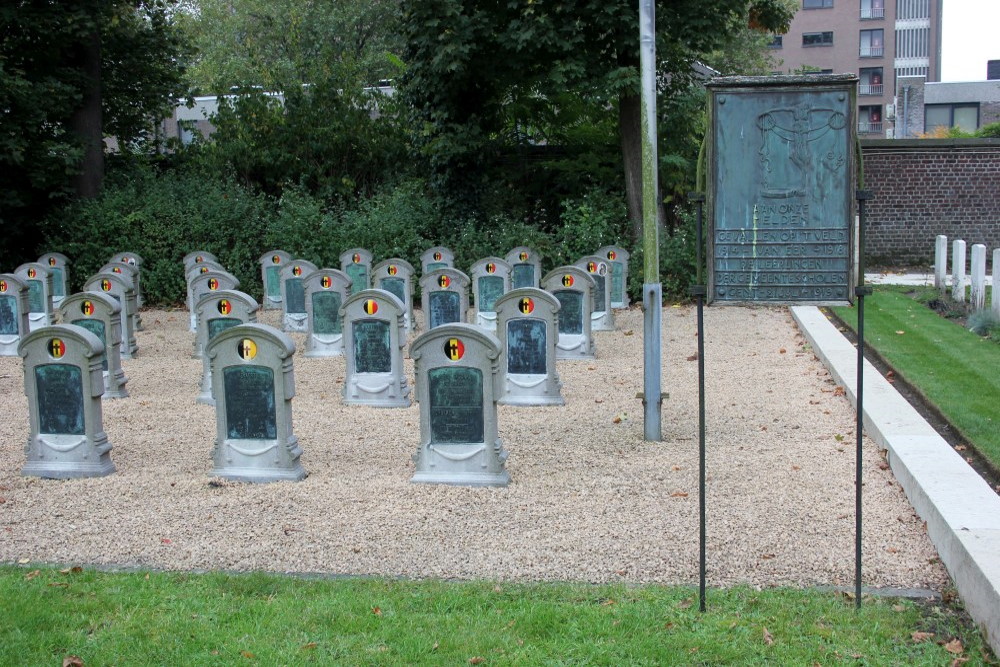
(468, 60)
(70, 75)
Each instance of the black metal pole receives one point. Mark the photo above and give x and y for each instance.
(699, 292)
(860, 291)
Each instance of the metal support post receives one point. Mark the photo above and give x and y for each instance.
(860, 291)
(698, 291)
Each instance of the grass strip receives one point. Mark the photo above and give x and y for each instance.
(158, 618)
(955, 369)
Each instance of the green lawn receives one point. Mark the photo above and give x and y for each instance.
(955, 369)
(218, 619)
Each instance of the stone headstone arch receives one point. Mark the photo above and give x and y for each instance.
(357, 264)
(13, 313)
(574, 288)
(374, 338)
(396, 276)
(525, 267)
(528, 331)
(270, 276)
(293, 294)
(326, 290)
(38, 278)
(490, 281)
(101, 315)
(444, 297)
(617, 258)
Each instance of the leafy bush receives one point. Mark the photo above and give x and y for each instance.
(986, 324)
(990, 131)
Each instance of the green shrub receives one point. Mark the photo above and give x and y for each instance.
(986, 324)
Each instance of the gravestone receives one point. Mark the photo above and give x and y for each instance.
(58, 264)
(190, 274)
(458, 380)
(101, 315)
(270, 275)
(525, 267)
(205, 283)
(574, 288)
(444, 297)
(253, 383)
(602, 316)
(374, 337)
(120, 288)
(216, 312)
(326, 290)
(13, 313)
(527, 324)
(135, 260)
(293, 294)
(396, 277)
(39, 281)
(940, 262)
(438, 257)
(490, 280)
(958, 271)
(617, 259)
(132, 273)
(64, 382)
(197, 257)
(357, 264)
(977, 274)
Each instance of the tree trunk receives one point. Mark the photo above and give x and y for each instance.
(87, 120)
(630, 131)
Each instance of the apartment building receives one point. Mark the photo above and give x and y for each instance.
(878, 40)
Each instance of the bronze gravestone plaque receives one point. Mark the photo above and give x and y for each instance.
(782, 177)
(570, 311)
(326, 313)
(526, 346)
(295, 296)
(372, 347)
(522, 275)
(60, 399)
(272, 288)
(490, 289)
(97, 328)
(395, 287)
(217, 325)
(249, 395)
(444, 308)
(456, 404)
(8, 316)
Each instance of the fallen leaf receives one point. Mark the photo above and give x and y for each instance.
(598, 400)
(676, 468)
(781, 351)
(882, 465)
(954, 646)
(679, 494)
(476, 660)
(957, 662)
(497, 589)
(621, 573)
(616, 420)
(898, 607)
(435, 647)
(839, 391)
(838, 438)
(768, 637)
(796, 468)
(607, 603)
(164, 540)
(685, 603)
(892, 550)
(73, 569)
(59, 584)
(309, 646)
(900, 332)
(72, 661)
(628, 333)
(960, 448)
(767, 556)
(248, 655)
(31, 575)
(693, 357)
(24, 561)
(921, 636)
(377, 611)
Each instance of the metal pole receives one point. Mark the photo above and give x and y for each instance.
(652, 293)
(698, 291)
(860, 291)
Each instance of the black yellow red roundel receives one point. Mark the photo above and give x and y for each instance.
(247, 349)
(454, 349)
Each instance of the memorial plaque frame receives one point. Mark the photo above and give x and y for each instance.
(381, 383)
(617, 258)
(270, 277)
(438, 257)
(444, 457)
(574, 281)
(58, 264)
(294, 314)
(394, 269)
(96, 306)
(356, 263)
(325, 284)
(599, 270)
(54, 451)
(38, 278)
(528, 360)
(494, 272)
(118, 286)
(242, 354)
(781, 228)
(448, 281)
(523, 256)
(13, 313)
(231, 305)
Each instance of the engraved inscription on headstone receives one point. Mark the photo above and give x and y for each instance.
(250, 413)
(456, 405)
(326, 313)
(270, 267)
(570, 311)
(295, 296)
(36, 296)
(359, 276)
(395, 286)
(372, 351)
(573, 287)
(781, 196)
(60, 398)
(375, 334)
(217, 325)
(526, 346)
(8, 315)
(526, 318)
(522, 275)
(445, 308)
(97, 328)
(490, 289)
(217, 312)
(526, 267)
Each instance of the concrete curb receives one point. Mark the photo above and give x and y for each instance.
(961, 511)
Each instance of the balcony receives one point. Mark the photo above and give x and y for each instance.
(871, 51)
(870, 89)
(872, 13)
(869, 128)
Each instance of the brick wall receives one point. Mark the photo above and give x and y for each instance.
(926, 187)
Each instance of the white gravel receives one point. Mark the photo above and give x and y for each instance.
(589, 501)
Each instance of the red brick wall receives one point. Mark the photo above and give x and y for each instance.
(922, 188)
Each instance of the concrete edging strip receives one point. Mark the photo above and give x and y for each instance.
(961, 511)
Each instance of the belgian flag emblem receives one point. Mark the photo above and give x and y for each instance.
(612, 255)
(127, 260)
(116, 269)
(326, 282)
(523, 256)
(526, 305)
(106, 285)
(204, 269)
(392, 270)
(32, 273)
(57, 348)
(296, 270)
(491, 268)
(3, 285)
(199, 259)
(444, 281)
(356, 258)
(213, 283)
(567, 280)
(52, 261)
(275, 259)
(225, 306)
(247, 349)
(591, 267)
(87, 307)
(438, 256)
(371, 306)
(454, 349)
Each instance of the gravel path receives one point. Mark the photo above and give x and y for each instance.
(589, 500)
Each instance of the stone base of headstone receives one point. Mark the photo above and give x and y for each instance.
(240, 463)
(297, 322)
(56, 457)
(378, 391)
(8, 345)
(487, 321)
(323, 345)
(205, 396)
(523, 390)
(574, 347)
(114, 385)
(602, 321)
(461, 465)
(38, 320)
